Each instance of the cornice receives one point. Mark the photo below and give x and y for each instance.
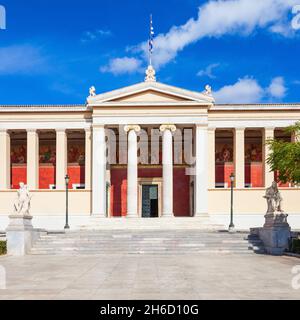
(43, 108)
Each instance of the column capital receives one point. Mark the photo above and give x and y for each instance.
(240, 129)
(170, 127)
(88, 130)
(31, 130)
(60, 130)
(4, 131)
(134, 127)
(269, 128)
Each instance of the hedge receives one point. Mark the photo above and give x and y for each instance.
(2, 247)
(296, 246)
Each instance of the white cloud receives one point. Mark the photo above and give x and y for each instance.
(208, 71)
(245, 90)
(219, 18)
(93, 35)
(248, 90)
(21, 59)
(122, 65)
(277, 88)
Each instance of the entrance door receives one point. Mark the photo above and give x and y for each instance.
(150, 201)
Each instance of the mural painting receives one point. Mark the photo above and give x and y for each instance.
(224, 151)
(76, 152)
(18, 152)
(47, 152)
(253, 150)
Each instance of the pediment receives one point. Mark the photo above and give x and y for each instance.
(150, 96)
(148, 93)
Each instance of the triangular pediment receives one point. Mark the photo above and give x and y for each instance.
(150, 96)
(150, 92)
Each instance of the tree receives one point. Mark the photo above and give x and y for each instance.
(284, 157)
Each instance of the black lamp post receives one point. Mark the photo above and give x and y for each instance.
(231, 226)
(67, 179)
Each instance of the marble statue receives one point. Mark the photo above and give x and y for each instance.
(208, 90)
(92, 91)
(22, 204)
(273, 198)
(150, 74)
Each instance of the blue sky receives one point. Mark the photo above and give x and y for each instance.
(52, 51)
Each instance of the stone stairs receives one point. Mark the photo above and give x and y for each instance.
(172, 242)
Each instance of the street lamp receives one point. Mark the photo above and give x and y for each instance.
(231, 226)
(67, 179)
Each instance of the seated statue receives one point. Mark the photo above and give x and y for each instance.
(274, 199)
(22, 204)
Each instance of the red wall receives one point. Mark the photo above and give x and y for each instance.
(76, 174)
(18, 174)
(47, 176)
(223, 172)
(118, 195)
(254, 174)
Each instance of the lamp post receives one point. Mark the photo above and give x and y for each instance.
(231, 226)
(67, 179)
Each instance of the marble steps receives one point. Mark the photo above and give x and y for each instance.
(144, 242)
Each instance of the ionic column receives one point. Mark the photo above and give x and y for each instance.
(61, 158)
(211, 158)
(88, 158)
(132, 171)
(201, 175)
(32, 159)
(167, 206)
(239, 157)
(99, 172)
(4, 160)
(269, 174)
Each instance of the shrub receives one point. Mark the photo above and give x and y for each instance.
(2, 247)
(296, 246)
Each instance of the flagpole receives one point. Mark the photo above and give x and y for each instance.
(150, 51)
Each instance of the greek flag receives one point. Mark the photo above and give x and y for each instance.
(151, 36)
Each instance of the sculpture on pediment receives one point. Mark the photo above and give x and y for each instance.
(22, 203)
(208, 90)
(92, 91)
(150, 74)
(274, 199)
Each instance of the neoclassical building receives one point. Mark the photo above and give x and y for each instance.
(147, 150)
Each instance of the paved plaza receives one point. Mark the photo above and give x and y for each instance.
(201, 276)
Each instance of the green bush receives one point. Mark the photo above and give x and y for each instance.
(2, 247)
(296, 246)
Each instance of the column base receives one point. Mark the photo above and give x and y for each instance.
(132, 216)
(168, 215)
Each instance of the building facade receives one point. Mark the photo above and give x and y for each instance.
(147, 150)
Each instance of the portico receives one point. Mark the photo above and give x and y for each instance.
(147, 150)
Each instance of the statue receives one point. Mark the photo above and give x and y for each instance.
(208, 90)
(22, 204)
(92, 91)
(274, 199)
(150, 74)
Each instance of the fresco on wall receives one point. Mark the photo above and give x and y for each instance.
(253, 150)
(47, 152)
(18, 152)
(224, 151)
(76, 152)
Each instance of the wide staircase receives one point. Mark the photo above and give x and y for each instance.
(155, 241)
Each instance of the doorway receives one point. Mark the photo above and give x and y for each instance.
(150, 201)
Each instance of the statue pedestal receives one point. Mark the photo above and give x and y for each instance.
(275, 233)
(20, 235)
